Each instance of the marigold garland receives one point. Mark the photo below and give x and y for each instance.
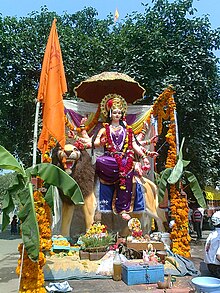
(46, 158)
(32, 277)
(164, 109)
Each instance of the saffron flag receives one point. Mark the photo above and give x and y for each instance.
(50, 93)
(116, 15)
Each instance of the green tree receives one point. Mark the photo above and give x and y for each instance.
(167, 44)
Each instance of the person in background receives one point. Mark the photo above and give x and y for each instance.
(197, 220)
(212, 247)
(14, 225)
(190, 219)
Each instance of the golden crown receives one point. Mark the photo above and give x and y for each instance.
(111, 102)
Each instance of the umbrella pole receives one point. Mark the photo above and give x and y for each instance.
(35, 134)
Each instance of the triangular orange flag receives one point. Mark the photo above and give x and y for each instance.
(50, 93)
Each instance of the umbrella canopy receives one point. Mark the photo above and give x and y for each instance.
(96, 87)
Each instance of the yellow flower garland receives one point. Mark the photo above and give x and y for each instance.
(164, 109)
(32, 277)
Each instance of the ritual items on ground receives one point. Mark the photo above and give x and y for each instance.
(134, 226)
(96, 241)
(60, 243)
(117, 266)
(167, 284)
(62, 246)
(134, 273)
(162, 254)
(138, 241)
(150, 255)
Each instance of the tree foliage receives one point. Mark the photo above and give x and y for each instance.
(167, 44)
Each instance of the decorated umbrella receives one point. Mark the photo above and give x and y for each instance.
(96, 87)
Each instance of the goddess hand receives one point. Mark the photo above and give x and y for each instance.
(146, 166)
(152, 154)
(71, 134)
(83, 120)
(154, 139)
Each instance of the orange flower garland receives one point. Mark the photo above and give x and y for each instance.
(164, 109)
(44, 221)
(51, 144)
(32, 277)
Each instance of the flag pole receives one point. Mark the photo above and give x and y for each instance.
(35, 134)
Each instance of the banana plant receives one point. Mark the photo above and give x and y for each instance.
(53, 176)
(177, 174)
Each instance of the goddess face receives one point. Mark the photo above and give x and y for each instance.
(116, 115)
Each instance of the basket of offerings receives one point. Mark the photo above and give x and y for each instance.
(96, 241)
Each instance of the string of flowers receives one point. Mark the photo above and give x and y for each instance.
(126, 153)
(32, 277)
(96, 229)
(164, 108)
(179, 234)
(47, 155)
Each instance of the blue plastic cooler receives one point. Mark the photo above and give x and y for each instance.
(138, 273)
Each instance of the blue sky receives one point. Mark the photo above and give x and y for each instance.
(21, 8)
(104, 7)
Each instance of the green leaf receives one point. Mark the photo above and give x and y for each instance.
(176, 172)
(196, 189)
(8, 162)
(53, 175)
(164, 175)
(30, 230)
(185, 163)
(8, 205)
(178, 169)
(49, 197)
(7, 208)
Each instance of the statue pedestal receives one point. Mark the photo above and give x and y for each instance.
(96, 255)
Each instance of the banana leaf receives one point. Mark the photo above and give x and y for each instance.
(8, 162)
(196, 189)
(178, 169)
(23, 187)
(7, 208)
(185, 163)
(162, 183)
(53, 175)
(176, 173)
(49, 197)
(30, 229)
(8, 205)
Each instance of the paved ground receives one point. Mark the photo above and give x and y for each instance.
(8, 262)
(9, 280)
